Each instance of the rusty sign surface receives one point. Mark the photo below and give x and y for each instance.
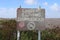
(30, 18)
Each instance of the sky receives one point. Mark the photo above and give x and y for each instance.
(8, 8)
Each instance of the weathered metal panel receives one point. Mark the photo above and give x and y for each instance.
(30, 19)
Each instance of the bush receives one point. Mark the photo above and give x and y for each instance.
(51, 34)
(8, 30)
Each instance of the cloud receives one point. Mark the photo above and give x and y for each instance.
(45, 3)
(55, 7)
(30, 2)
(53, 11)
(7, 12)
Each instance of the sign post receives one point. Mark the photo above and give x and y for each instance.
(30, 19)
(39, 35)
(18, 35)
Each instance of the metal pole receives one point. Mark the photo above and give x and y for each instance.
(18, 35)
(39, 36)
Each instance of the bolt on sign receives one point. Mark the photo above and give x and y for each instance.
(30, 19)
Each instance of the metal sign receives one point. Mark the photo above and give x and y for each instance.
(21, 24)
(30, 18)
(31, 26)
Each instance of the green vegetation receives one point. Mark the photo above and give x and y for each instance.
(51, 34)
(29, 35)
(8, 32)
